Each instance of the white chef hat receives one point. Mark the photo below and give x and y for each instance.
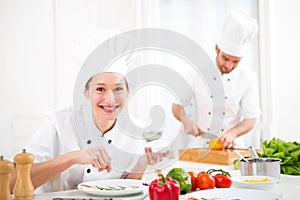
(89, 42)
(238, 30)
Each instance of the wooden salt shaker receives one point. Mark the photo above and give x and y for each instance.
(6, 168)
(23, 187)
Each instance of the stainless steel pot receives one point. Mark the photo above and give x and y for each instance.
(260, 166)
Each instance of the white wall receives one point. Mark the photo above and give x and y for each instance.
(285, 68)
(27, 69)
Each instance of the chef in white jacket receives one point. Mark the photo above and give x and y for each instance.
(240, 86)
(84, 145)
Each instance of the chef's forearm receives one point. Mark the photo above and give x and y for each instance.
(44, 171)
(178, 112)
(138, 171)
(243, 127)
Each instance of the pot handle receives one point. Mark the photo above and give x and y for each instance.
(253, 152)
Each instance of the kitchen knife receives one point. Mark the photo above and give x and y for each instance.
(208, 135)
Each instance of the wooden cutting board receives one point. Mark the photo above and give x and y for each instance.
(206, 155)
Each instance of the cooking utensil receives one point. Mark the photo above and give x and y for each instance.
(253, 152)
(208, 135)
(261, 166)
(240, 155)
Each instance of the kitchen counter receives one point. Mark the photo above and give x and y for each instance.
(288, 186)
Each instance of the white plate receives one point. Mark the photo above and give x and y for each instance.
(290, 177)
(240, 182)
(132, 186)
(233, 193)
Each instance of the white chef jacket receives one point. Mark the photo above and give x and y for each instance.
(241, 100)
(59, 136)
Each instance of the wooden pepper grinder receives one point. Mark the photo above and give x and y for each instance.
(6, 168)
(23, 189)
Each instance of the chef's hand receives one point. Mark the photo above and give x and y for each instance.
(190, 127)
(151, 158)
(98, 157)
(228, 139)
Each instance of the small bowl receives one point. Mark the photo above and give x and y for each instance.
(159, 145)
(254, 182)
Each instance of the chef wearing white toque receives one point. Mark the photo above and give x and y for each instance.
(86, 144)
(240, 86)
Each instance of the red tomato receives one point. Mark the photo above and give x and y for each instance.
(205, 181)
(194, 180)
(222, 181)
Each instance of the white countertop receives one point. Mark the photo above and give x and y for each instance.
(288, 186)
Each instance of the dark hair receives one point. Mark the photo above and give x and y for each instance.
(90, 79)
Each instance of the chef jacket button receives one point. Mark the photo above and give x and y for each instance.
(228, 79)
(222, 130)
(208, 129)
(88, 170)
(211, 96)
(215, 78)
(209, 113)
(89, 142)
(226, 97)
(109, 141)
(223, 113)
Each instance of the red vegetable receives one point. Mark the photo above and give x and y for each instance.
(222, 178)
(205, 181)
(164, 189)
(194, 180)
(222, 181)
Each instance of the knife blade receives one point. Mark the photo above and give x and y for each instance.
(208, 135)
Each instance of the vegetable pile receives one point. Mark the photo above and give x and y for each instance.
(288, 152)
(178, 181)
(208, 180)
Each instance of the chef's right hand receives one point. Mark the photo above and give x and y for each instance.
(98, 157)
(190, 127)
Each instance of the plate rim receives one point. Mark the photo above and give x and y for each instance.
(112, 193)
(237, 179)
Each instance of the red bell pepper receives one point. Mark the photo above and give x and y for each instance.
(164, 188)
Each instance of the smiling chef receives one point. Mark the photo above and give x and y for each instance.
(87, 144)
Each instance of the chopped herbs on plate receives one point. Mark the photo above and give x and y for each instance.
(112, 188)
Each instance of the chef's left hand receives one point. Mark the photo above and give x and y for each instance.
(151, 158)
(228, 139)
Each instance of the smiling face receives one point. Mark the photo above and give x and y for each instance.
(225, 62)
(107, 93)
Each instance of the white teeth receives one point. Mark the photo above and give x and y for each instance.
(107, 108)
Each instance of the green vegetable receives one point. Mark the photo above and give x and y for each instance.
(183, 179)
(278, 155)
(288, 152)
(291, 170)
(237, 164)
